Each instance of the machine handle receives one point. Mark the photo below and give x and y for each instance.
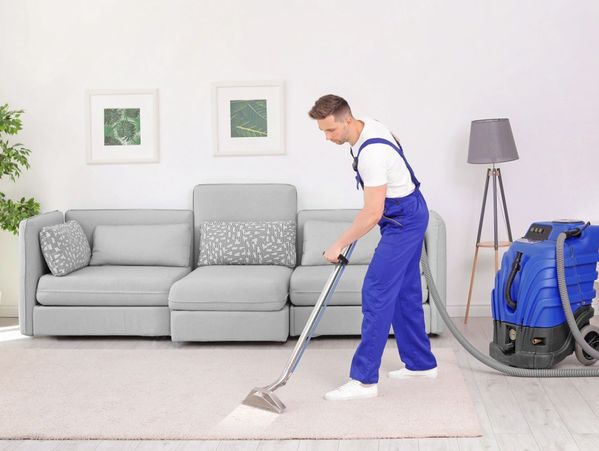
(577, 231)
(510, 280)
(342, 259)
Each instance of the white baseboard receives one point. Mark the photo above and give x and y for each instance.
(9, 311)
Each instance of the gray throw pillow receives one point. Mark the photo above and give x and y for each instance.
(65, 247)
(319, 235)
(247, 243)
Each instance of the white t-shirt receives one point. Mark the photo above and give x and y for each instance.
(381, 164)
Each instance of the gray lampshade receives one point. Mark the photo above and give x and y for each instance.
(491, 141)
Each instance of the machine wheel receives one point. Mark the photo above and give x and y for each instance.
(591, 336)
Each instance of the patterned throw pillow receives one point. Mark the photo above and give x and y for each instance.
(65, 247)
(247, 243)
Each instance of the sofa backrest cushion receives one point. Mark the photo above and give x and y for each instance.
(319, 235)
(335, 215)
(90, 219)
(142, 245)
(242, 202)
(247, 243)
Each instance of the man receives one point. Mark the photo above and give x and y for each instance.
(391, 292)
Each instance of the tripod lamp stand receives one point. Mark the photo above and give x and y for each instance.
(491, 142)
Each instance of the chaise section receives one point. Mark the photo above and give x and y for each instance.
(227, 301)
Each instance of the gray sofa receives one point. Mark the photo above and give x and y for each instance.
(202, 303)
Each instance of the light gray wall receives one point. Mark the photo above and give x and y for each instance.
(425, 68)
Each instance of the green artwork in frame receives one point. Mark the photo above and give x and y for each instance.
(122, 127)
(248, 118)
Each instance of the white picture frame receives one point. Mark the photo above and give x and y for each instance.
(122, 126)
(248, 118)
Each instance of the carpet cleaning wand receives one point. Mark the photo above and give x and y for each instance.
(263, 397)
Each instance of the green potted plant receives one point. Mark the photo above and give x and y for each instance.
(12, 157)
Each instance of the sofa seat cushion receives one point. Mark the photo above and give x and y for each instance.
(307, 282)
(110, 285)
(232, 287)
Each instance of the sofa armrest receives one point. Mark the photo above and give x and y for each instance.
(32, 264)
(436, 248)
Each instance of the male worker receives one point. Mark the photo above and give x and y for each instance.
(391, 292)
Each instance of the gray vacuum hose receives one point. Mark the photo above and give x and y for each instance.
(563, 293)
(506, 369)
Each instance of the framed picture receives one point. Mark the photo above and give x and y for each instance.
(122, 126)
(248, 118)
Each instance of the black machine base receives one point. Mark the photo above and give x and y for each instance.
(535, 347)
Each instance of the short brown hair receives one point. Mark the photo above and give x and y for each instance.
(329, 104)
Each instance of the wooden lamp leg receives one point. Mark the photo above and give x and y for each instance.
(471, 284)
(480, 228)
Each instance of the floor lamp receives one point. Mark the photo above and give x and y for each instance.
(491, 142)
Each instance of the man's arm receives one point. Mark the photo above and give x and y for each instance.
(369, 216)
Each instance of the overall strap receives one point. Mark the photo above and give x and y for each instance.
(397, 148)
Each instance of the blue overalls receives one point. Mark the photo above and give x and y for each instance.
(391, 292)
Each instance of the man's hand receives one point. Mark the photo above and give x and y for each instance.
(332, 253)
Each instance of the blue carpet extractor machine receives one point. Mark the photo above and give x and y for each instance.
(541, 307)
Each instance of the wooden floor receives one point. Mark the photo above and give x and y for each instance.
(515, 413)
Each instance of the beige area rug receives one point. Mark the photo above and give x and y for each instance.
(195, 392)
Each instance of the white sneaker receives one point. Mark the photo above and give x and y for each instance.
(405, 373)
(352, 390)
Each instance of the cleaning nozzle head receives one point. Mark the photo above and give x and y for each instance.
(263, 398)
